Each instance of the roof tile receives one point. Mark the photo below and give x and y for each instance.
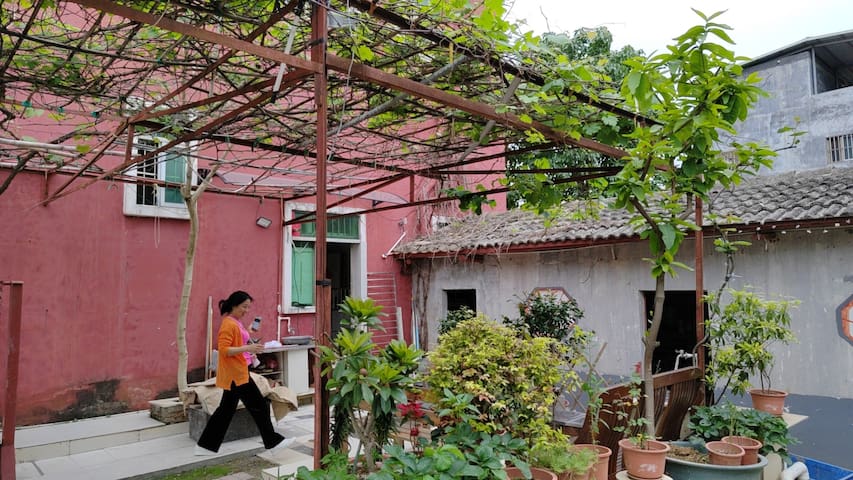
(808, 195)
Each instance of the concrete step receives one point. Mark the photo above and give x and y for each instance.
(69, 438)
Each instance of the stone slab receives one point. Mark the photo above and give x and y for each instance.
(242, 425)
(167, 410)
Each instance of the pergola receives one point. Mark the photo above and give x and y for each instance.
(307, 98)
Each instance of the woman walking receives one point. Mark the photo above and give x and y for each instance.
(232, 375)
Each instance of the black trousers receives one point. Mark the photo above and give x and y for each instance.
(217, 426)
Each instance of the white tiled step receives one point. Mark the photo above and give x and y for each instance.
(79, 436)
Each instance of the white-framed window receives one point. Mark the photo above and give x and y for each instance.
(345, 234)
(151, 200)
(840, 148)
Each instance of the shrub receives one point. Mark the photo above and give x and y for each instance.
(543, 314)
(511, 376)
(453, 317)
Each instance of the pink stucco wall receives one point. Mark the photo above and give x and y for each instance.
(102, 290)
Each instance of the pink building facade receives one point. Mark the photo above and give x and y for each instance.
(102, 287)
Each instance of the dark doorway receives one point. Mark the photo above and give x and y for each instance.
(461, 298)
(339, 270)
(678, 328)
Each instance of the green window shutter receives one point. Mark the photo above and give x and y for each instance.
(340, 227)
(343, 227)
(175, 172)
(302, 288)
(307, 229)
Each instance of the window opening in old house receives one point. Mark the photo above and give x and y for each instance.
(678, 328)
(461, 298)
(833, 68)
(840, 148)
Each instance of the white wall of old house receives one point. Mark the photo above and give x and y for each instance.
(607, 282)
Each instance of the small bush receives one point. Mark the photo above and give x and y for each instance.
(453, 317)
(543, 314)
(511, 376)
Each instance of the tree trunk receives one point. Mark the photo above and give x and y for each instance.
(651, 342)
(191, 200)
(189, 262)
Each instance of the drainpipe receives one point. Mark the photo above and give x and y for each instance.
(797, 471)
(280, 281)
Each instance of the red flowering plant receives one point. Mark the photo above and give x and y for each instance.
(412, 413)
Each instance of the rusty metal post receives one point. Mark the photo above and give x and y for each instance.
(7, 448)
(323, 291)
(700, 289)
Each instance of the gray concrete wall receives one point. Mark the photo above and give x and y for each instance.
(790, 83)
(607, 283)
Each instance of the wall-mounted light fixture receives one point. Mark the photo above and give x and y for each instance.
(263, 222)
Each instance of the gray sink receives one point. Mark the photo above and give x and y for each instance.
(297, 340)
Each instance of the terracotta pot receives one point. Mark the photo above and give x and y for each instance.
(724, 453)
(770, 401)
(573, 476)
(538, 473)
(601, 468)
(749, 445)
(644, 463)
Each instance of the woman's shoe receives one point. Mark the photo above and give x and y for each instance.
(287, 442)
(203, 452)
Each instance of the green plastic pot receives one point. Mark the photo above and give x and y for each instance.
(683, 470)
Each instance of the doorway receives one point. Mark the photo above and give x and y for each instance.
(339, 271)
(678, 328)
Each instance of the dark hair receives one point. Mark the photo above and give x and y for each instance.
(236, 298)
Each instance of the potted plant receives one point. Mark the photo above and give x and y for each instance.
(749, 445)
(535, 474)
(642, 455)
(692, 460)
(594, 386)
(724, 453)
(558, 455)
(739, 337)
(709, 423)
(712, 423)
(367, 383)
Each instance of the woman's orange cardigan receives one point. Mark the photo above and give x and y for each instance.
(231, 368)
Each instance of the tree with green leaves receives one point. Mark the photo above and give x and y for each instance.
(689, 95)
(591, 47)
(696, 90)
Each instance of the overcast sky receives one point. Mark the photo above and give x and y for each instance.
(760, 26)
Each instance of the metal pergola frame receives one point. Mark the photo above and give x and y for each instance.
(232, 109)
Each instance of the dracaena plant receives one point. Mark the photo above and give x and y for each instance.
(367, 383)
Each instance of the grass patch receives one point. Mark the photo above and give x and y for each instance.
(203, 473)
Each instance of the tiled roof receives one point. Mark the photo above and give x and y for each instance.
(823, 194)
